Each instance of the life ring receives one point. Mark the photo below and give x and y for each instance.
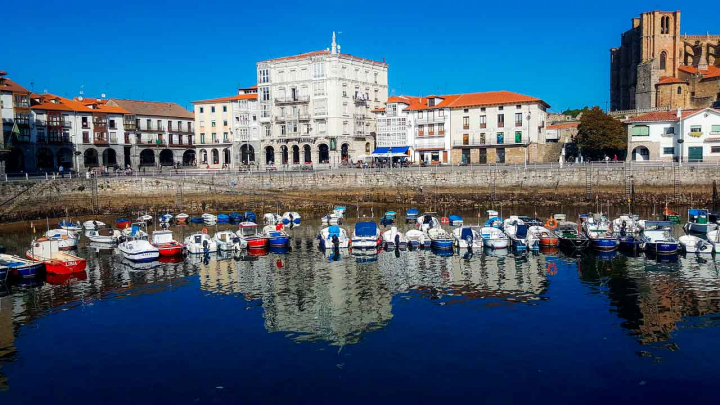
(551, 223)
(204, 230)
(444, 220)
(552, 268)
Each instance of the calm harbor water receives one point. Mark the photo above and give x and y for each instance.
(410, 327)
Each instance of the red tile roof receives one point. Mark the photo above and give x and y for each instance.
(100, 104)
(152, 108)
(670, 80)
(564, 126)
(251, 96)
(9, 85)
(477, 99)
(709, 73)
(658, 116)
(51, 102)
(378, 110)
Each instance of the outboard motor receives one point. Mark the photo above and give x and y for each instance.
(336, 242)
(623, 228)
(397, 242)
(205, 247)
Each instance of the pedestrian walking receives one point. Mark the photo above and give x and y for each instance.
(61, 169)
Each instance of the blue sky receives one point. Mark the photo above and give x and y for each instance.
(183, 51)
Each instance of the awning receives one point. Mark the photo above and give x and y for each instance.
(395, 149)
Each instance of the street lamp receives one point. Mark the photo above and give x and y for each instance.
(680, 142)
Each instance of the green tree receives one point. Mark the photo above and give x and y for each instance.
(600, 134)
(575, 112)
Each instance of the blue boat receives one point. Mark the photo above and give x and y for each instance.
(16, 266)
(277, 238)
(630, 242)
(439, 239)
(291, 217)
(411, 215)
(597, 228)
(657, 238)
(167, 217)
(197, 220)
(236, 217)
(250, 216)
(388, 218)
(455, 220)
(223, 219)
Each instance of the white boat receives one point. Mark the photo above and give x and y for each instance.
(467, 236)
(200, 243)
(417, 238)
(147, 218)
(229, 241)
(494, 219)
(326, 237)
(339, 211)
(181, 218)
(517, 230)
(332, 219)
(67, 239)
(166, 218)
(427, 221)
(366, 235)
(626, 224)
(209, 219)
(272, 219)
(93, 224)
(545, 236)
(137, 248)
(714, 238)
(70, 226)
(291, 217)
(494, 238)
(693, 244)
(393, 238)
(139, 234)
(699, 222)
(440, 239)
(105, 236)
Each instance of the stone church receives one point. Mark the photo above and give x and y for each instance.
(656, 66)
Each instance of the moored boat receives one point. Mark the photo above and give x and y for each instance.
(166, 218)
(411, 215)
(105, 236)
(209, 219)
(197, 220)
(93, 224)
(517, 230)
(16, 266)
(56, 262)
(547, 237)
(67, 239)
(455, 220)
(200, 243)
(570, 236)
(388, 218)
(427, 221)
(417, 239)
(181, 219)
(70, 226)
(228, 241)
(333, 236)
(235, 217)
(249, 216)
(597, 229)
(248, 231)
(137, 248)
(291, 217)
(223, 219)
(494, 238)
(146, 218)
(276, 235)
(440, 239)
(366, 235)
(272, 219)
(694, 244)
(166, 244)
(467, 236)
(392, 238)
(657, 238)
(698, 222)
(123, 223)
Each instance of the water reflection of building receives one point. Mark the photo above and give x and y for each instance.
(339, 301)
(653, 299)
(7, 335)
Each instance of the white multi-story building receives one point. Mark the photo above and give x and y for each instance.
(689, 135)
(15, 114)
(394, 123)
(315, 107)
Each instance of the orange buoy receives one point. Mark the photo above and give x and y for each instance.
(444, 220)
(551, 223)
(204, 230)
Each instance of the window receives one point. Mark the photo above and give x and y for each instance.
(715, 149)
(668, 151)
(663, 60)
(500, 138)
(696, 130)
(517, 107)
(670, 131)
(318, 69)
(85, 122)
(225, 137)
(640, 130)
(265, 94)
(224, 123)
(267, 130)
(518, 136)
(202, 110)
(319, 88)
(500, 155)
(224, 108)
(431, 130)
(283, 129)
(501, 120)
(212, 124)
(441, 129)
(148, 122)
(518, 119)
(441, 113)
(421, 130)
(482, 109)
(715, 129)
(202, 137)
(212, 109)
(264, 76)
(500, 108)
(483, 121)
(679, 90)
(466, 122)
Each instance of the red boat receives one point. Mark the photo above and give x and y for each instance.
(248, 231)
(56, 262)
(166, 245)
(64, 279)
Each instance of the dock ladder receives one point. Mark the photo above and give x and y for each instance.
(628, 180)
(676, 182)
(588, 181)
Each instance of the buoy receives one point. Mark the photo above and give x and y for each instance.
(204, 230)
(551, 223)
(444, 220)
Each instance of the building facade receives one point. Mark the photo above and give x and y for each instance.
(394, 123)
(689, 135)
(15, 114)
(155, 134)
(315, 107)
(657, 68)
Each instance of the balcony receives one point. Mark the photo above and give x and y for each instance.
(67, 124)
(113, 139)
(303, 117)
(696, 134)
(488, 140)
(360, 116)
(292, 100)
(101, 140)
(279, 118)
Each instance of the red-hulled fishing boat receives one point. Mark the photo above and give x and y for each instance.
(165, 244)
(56, 262)
(248, 231)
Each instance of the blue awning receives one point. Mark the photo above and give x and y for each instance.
(394, 149)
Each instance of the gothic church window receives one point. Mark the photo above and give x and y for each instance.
(663, 60)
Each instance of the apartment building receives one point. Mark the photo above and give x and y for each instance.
(681, 135)
(155, 133)
(394, 123)
(315, 107)
(15, 114)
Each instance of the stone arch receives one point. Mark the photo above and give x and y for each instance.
(296, 154)
(167, 158)
(269, 155)
(147, 158)
(90, 158)
(640, 153)
(188, 157)
(226, 156)
(215, 155)
(109, 157)
(323, 153)
(284, 154)
(16, 161)
(367, 147)
(307, 151)
(65, 158)
(44, 159)
(203, 156)
(345, 151)
(247, 154)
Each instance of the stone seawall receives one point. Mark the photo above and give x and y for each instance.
(316, 191)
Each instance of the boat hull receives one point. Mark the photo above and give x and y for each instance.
(496, 243)
(171, 250)
(574, 243)
(700, 228)
(27, 271)
(256, 243)
(65, 267)
(279, 241)
(123, 224)
(140, 257)
(549, 241)
(604, 244)
(630, 243)
(662, 248)
(364, 244)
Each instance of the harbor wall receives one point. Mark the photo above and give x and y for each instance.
(315, 191)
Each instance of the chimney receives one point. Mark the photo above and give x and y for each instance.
(679, 113)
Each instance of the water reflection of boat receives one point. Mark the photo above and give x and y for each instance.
(442, 252)
(549, 250)
(606, 254)
(261, 251)
(171, 259)
(281, 250)
(496, 252)
(131, 265)
(61, 279)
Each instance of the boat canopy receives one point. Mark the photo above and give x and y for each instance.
(365, 229)
(390, 213)
(521, 231)
(492, 213)
(697, 212)
(492, 220)
(248, 225)
(467, 234)
(339, 209)
(455, 218)
(412, 211)
(334, 230)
